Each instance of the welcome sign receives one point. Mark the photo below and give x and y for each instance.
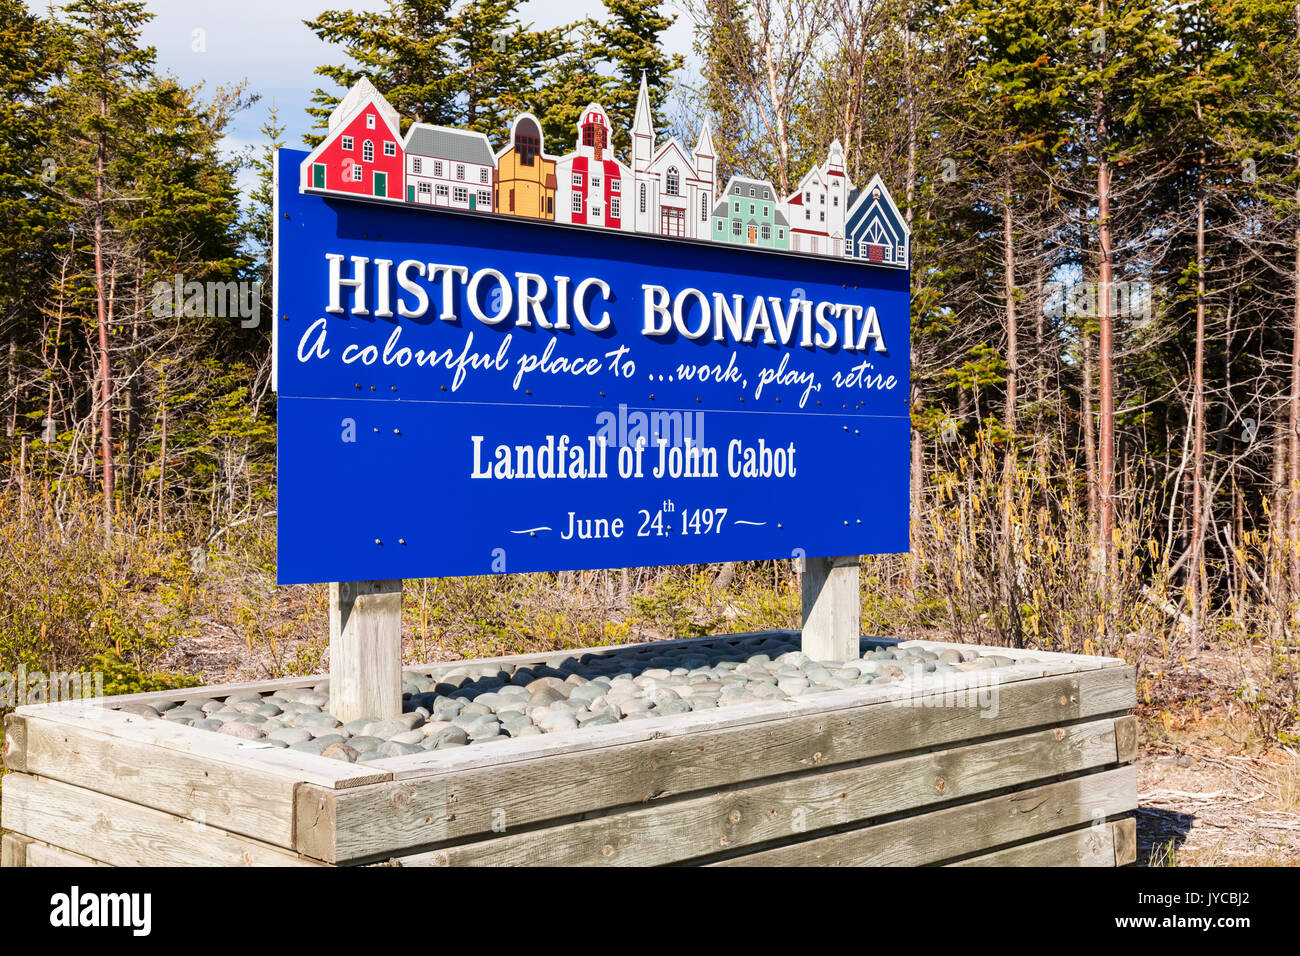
(464, 392)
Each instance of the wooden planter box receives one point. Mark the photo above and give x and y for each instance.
(1035, 769)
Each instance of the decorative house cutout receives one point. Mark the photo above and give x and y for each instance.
(818, 209)
(525, 179)
(748, 214)
(875, 231)
(667, 191)
(361, 153)
(591, 185)
(449, 167)
(675, 190)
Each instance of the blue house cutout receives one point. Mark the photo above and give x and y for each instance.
(875, 231)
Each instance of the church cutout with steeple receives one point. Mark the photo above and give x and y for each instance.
(673, 190)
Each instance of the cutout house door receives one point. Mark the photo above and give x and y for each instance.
(318, 175)
(753, 234)
(381, 184)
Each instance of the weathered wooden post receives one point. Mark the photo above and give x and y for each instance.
(831, 623)
(366, 649)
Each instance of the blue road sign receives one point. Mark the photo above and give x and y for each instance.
(467, 393)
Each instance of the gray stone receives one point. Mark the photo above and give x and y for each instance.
(341, 752)
(243, 731)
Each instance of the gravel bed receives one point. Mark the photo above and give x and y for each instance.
(478, 704)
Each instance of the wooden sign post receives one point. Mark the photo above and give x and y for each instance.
(831, 618)
(366, 649)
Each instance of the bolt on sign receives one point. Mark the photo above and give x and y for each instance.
(476, 375)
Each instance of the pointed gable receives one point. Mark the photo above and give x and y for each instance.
(876, 231)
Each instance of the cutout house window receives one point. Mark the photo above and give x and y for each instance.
(673, 182)
(550, 205)
(780, 233)
(460, 170)
(577, 180)
(595, 182)
(442, 190)
(370, 121)
(483, 175)
(484, 198)
(704, 207)
(346, 143)
(356, 172)
(751, 209)
(461, 194)
(390, 148)
(737, 205)
(751, 190)
(735, 227)
(643, 197)
(368, 152)
(425, 190)
(528, 143)
(615, 208)
(767, 232)
(417, 165)
(616, 185)
(764, 210)
(835, 200)
(577, 202)
(437, 167)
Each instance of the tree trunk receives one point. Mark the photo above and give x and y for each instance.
(101, 310)
(1195, 569)
(1106, 436)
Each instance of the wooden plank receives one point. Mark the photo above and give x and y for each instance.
(982, 689)
(255, 755)
(13, 850)
(831, 608)
(680, 830)
(125, 834)
(965, 828)
(42, 854)
(227, 794)
(15, 745)
(1088, 846)
(418, 811)
(366, 649)
(1126, 736)
(1125, 836)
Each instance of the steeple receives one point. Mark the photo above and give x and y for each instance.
(704, 145)
(643, 122)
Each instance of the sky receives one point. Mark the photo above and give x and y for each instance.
(223, 42)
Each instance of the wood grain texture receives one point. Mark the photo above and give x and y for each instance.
(695, 827)
(1126, 738)
(42, 854)
(1125, 835)
(230, 794)
(124, 834)
(963, 829)
(366, 649)
(15, 744)
(422, 810)
(1087, 846)
(831, 608)
(13, 850)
